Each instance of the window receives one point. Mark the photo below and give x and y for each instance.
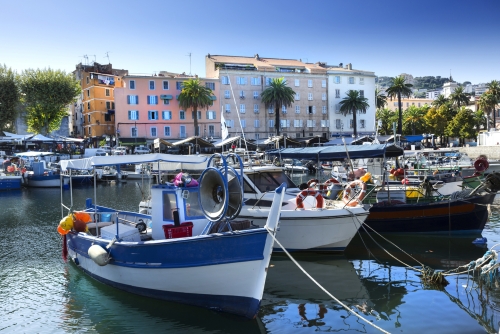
(242, 94)
(309, 83)
(271, 123)
(151, 85)
(323, 96)
(337, 93)
(243, 123)
(351, 124)
(361, 93)
(210, 85)
(323, 109)
(395, 104)
(90, 131)
(271, 109)
(311, 123)
(152, 115)
(166, 131)
(257, 137)
(297, 109)
(107, 92)
(241, 80)
(133, 132)
(227, 94)
(229, 123)
(182, 131)
(255, 95)
(285, 123)
(419, 104)
(228, 107)
(153, 132)
(310, 109)
(256, 123)
(153, 99)
(297, 82)
(108, 105)
(107, 117)
(255, 81)
(361, 81)
(166, 101)
(297, 96)
(407, 104)
(336, 79)
(132, 99)
(337, 108)
(88, 105)
(283, 109)
(338, 124)
(297, 123)
(323, 83)
(182, 114)
(198, 113)
(225, 80)
(211, 114)
(88, 116)
(178, 85)
(88, 92)
(324, 123)
(255, 108)
(165, 86)
(314, 109)
(309, 96)
(88, 79)
(362, 123)
(351, 80)
(268, 81)
(167, 115)
(131, 84)
(211, 130)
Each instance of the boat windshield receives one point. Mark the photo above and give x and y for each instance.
(269, 181)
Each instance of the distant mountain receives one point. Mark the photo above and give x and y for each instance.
(428, 82)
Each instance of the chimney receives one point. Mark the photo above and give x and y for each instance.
(341, 65)
(257, 56)
(208, 55)
(349, 66)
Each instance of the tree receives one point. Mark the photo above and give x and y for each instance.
(439, 101)
(388, 117)
(459, 97)
(380, 98)
(436, 120)
(353, 103)
(487, 103)
(194, 95)
(9, 97)
(494, 89)
(278, 94)
(47, 94)
(399, 89)
(414, 116)
(462, 125)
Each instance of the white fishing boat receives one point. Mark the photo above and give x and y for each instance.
(179, 252)
(140, 172)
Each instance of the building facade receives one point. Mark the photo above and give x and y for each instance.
(340, 80)
(242, 81)
(147, 107)
(93, 115)
(406, 103)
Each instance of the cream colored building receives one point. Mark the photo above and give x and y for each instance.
(242, 81)
(406, 103)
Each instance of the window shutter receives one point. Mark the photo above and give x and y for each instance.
(137, 99)
(129, 114)
(128, 99)
(314, 122)
(208, 114)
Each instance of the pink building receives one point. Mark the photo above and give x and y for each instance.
(147, 108)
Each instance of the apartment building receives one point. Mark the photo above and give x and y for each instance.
(242, 81)
(147, 107)
(342, 79)
(406, 103)
(93, 115)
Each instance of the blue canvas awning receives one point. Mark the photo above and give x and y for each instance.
(414, 138)
(330, 153)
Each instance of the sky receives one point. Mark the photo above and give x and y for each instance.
(388, 37)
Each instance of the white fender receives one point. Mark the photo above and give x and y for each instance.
(98, 255)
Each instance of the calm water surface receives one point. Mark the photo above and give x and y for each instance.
(40, 293)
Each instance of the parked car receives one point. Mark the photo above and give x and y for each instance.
(142, 150)
(173, 150)
(120, 150)
(106, 148)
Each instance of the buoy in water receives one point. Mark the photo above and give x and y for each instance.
(480, 241)
(98, 255)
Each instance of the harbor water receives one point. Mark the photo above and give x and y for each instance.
(41, 293)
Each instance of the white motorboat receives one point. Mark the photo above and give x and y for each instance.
(177, 252)
(140, 172)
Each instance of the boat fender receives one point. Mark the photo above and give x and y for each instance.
(141, 226)
(99, 255)
(405, 181)
(76, 261)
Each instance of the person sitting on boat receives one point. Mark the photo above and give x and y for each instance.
(6, 163)
(185, 180)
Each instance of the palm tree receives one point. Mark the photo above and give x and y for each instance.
(380, 98)
(494, 89)
(399, 89)
(194, 95)
(440, 101)
(351, 104)
(278, 94)
(414, 116)
(487, 103)
(459, 97)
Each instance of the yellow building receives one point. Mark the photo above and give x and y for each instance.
(406, 103)
(94, 113)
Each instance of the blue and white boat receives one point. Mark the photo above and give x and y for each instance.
(180, 251)
(10, 181)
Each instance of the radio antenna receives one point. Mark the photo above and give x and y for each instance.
(189, 55)
(107, 55)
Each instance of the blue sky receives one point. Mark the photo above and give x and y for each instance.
(427, 37)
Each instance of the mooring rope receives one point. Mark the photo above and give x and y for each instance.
(319, 285)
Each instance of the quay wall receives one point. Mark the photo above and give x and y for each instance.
(491, 152)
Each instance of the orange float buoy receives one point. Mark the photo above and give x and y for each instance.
(80, 221)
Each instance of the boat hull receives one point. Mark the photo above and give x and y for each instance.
(10, 182)
(312, 230)
(43, 181)
(224, 272)
(456, 216)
